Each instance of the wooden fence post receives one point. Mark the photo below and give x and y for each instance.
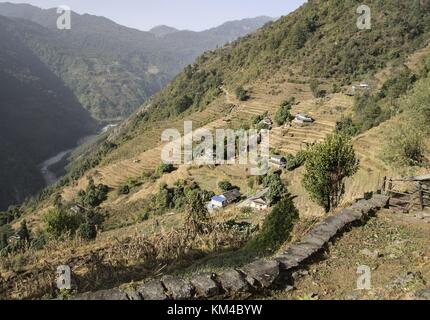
(390, 186)
(384, 185)
(421, 195)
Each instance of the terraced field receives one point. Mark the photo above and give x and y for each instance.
(143, 153)
(138, 156)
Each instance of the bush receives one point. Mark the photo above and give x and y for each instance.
(283, 114)
(405, 147)
(225, 186)
(276, 228)
(347, 127)
(294, 162)
(316, 91)
(6, 231)
(258, 118)
(163, 199)
(368, 113)
(6, 218)
(94, 195)
(39, 241)
(12, 213)
(23, 232)
(123, 190)
(277, 189)
(242, 94)
(164, 168)
(246, 211)
(60, 222)
(196, 205)
(87, 231)
(326, 167)
(401, 82)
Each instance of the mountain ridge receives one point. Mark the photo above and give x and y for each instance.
(127, 65)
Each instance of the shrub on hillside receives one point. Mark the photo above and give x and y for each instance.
(225, 186)
(123, 190)
(368, 113)
(294, 162)
(23, 232)
(326, 167)
(277, 189)
(61, 222)
(258, 118)
(242, 94)
(276, 228)
(347, 127)
(399, 83)
(93, 195)
(316, 91)
(87, 231)
(6, 231)
(39, 241)
(283, 115)
(406, 147)
(164, 168)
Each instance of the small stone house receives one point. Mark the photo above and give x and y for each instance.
(278, 161)
(258, 204)
(257, 201)
(303, 118)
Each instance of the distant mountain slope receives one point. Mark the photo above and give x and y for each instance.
(320, 41)
(39, 116)
(161, 31)
(113, 69)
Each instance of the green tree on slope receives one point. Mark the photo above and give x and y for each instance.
(327, 166)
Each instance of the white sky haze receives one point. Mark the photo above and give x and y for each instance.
(194, 15)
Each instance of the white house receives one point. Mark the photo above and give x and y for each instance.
(222, 201)
(303, 118)
(257, 201)
(258, 204)
(361, 86)
(218, 201)
(278, 161)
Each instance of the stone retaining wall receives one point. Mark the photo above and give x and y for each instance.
(258, 275)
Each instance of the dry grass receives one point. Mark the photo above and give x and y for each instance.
(121, 260)
(403, 246)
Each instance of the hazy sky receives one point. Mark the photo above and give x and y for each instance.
(183, 14)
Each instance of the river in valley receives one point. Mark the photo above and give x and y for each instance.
(48, 174)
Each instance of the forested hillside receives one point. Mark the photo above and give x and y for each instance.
(50, 76)
(113, 69)
(319, 41)
(39, 116)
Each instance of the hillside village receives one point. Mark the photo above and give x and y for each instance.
(132, 227)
